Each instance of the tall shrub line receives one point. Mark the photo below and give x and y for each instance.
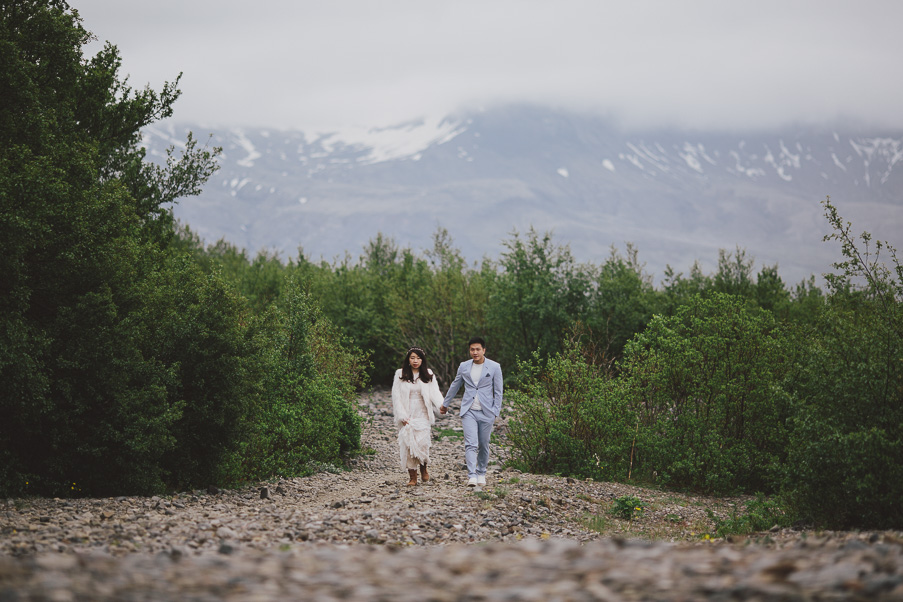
(129, 362)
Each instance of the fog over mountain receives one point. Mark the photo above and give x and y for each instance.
(679, 196)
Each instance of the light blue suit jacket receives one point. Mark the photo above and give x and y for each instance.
(489, 388)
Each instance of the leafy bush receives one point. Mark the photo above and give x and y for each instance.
(706, 388)
(761, 514)
(195, 324)
(132, 360)
(845, 466)
(627, 506)
(83, 229)
(567, 419)
(540, 290)
(305, 410)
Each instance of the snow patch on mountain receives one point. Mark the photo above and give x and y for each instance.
(690, 158)
(405, 141)
(245, 144)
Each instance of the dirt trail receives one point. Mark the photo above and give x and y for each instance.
(361, 534)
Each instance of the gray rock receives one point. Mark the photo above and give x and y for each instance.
(350, 536)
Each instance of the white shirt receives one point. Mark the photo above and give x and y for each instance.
(476, 371)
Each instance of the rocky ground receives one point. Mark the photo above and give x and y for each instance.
(362, 534)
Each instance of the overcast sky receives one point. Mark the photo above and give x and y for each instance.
(333, 63)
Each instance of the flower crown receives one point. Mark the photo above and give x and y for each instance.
(419, 351)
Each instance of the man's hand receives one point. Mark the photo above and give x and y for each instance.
(443, 409)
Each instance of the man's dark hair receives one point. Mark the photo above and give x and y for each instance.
(475, 341)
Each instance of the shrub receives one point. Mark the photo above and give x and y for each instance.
(627, 506)
(567, 419)
(761, 514)
(304, 410)
(706, 388)
(84, 226)
(845, 466)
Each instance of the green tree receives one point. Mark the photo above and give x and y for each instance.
(678, 290)
(259, 280)
(568, 417)
(707, 386)
(438, 305)
(540, 292)
(845, 465)
(84, 226)
(734, 275)
(620, 305)
(770, 292)
(356, 297)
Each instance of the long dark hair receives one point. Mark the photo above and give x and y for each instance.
(407, 373)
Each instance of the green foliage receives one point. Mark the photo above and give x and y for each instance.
(760, 514)
(706, 388)
(620, 305)
(845, 467)
(441, 433)
(627, 507)
(595, 522)
(193, 323)
(539, 291)
(567, 418)
(259, 280)
(355, 297)
(734, 275)
(678, 290)
(82, 232)
(304, 411)
(437, 305)
(133, 360)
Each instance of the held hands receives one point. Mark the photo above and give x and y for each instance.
(443, 409)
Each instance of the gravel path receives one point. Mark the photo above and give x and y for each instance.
(362, 534)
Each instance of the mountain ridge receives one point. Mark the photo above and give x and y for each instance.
(678, 196)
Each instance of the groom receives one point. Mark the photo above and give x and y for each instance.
(482, 402)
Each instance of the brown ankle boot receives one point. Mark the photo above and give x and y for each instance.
(424, 475)
(413, 474)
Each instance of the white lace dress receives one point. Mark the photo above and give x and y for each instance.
(416, 403)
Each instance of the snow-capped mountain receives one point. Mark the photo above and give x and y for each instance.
(678, 196)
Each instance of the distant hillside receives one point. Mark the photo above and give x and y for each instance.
(679, 196)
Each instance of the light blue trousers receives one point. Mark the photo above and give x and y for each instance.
(477, 429)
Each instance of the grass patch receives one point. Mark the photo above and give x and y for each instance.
(314, 467)
(448, 433)
(761, 514)
(594, 522)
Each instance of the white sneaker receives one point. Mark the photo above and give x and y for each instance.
(481, 480)
(472, 482)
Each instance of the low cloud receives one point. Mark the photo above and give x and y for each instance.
(698, 64)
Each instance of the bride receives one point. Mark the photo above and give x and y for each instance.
(415, 397)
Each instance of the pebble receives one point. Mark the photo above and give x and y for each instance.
(363, 534)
